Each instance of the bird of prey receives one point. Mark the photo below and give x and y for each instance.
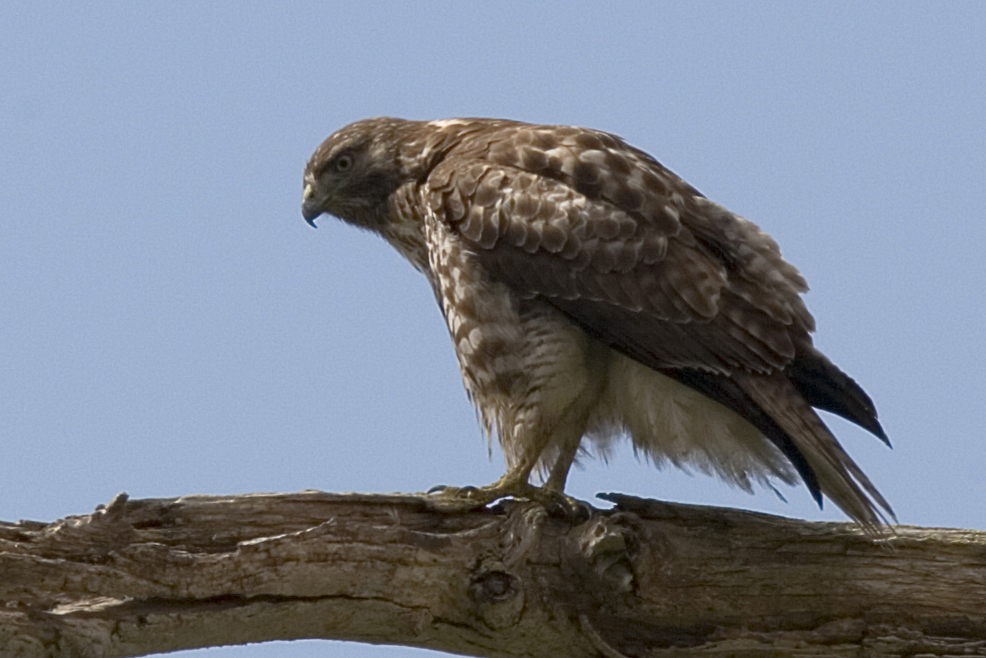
(591, 293)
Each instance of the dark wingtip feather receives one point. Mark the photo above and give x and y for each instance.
(880, 434)
(826, 387)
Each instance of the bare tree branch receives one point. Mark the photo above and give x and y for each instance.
(644, 579)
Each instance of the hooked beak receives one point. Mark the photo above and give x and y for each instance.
(309, 205)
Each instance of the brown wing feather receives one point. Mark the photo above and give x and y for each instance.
(652, 290)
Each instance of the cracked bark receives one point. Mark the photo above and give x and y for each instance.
(645, 579)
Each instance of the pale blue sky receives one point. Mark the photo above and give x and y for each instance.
(169, 324)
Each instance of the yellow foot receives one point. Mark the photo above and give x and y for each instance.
(557, 504)
(479, 496)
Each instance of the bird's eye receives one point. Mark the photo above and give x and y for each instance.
(343, 163)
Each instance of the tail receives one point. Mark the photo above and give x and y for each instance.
(788, 404)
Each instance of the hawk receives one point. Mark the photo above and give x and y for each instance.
(591, 294)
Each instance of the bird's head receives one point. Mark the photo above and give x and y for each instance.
(354, 171)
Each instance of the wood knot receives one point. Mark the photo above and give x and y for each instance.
(496, 594)
(493, 586)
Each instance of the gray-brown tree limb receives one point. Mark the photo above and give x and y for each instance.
(646, 578)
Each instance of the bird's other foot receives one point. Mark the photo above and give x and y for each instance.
(556, 503)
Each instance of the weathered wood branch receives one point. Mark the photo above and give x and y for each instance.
(644, 579)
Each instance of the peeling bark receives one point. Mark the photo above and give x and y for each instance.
(646, 578)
